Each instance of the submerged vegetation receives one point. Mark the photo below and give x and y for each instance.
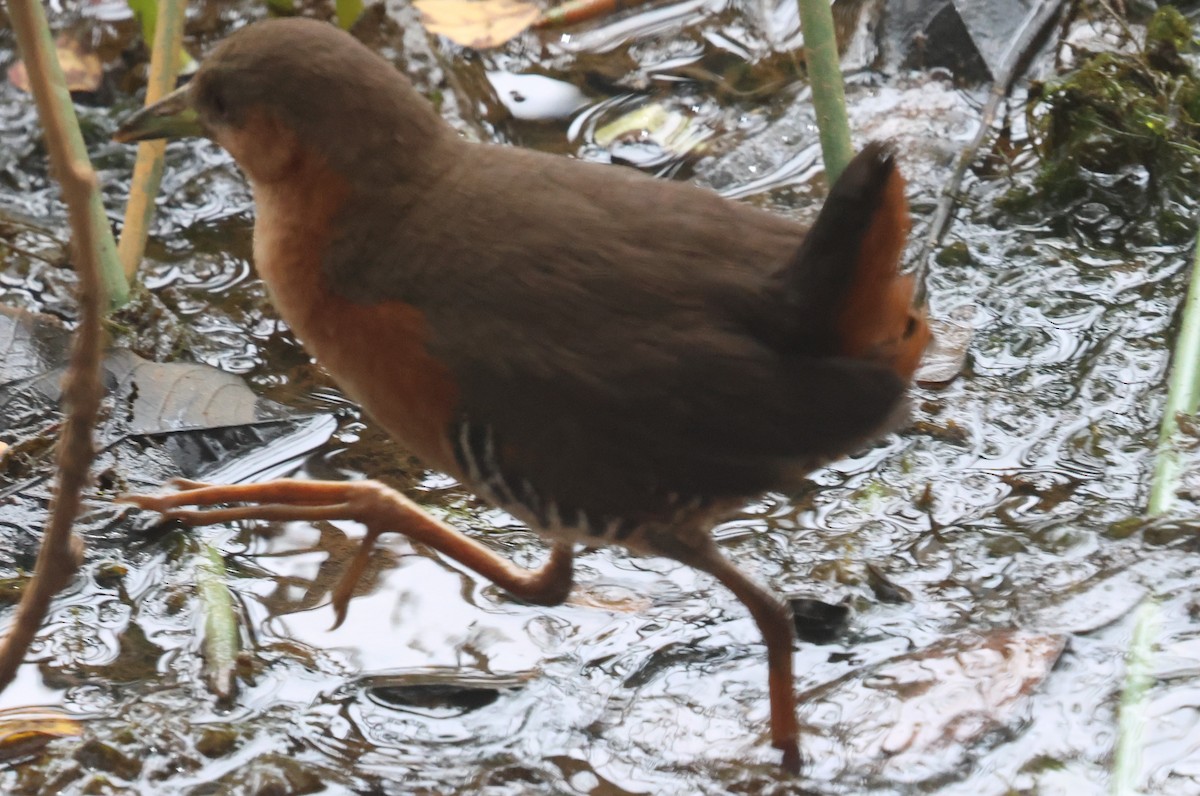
(1124, 123)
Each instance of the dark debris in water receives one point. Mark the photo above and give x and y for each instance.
(816, 621)
(450, 690)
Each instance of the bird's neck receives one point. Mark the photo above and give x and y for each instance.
(295, 223)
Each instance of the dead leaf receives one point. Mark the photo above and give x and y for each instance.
(25, 730)
(174, 396)
(946, 355)
(672, 131)
(914, 717)
(80, 66)
(478, 24)
(30, 344)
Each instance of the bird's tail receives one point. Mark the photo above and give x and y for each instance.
(846, 274)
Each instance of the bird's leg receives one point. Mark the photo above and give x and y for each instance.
(378, 507)
(774, 619)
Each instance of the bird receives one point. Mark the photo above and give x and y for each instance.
(611, 358)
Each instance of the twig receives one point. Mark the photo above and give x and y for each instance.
(32, 255)
(147, 170)
(825, 77)
(54, 105)
(62, 551)
(1036, 24)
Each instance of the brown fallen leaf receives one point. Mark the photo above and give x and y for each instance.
(915, 717)
(25, 730)
(478, 24)
(80, 66)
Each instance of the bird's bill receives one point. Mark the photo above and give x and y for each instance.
(173, 116)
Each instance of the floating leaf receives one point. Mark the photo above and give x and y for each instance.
(80, 67)
(25, 730)
(946, 355)
(173, 396)
(477, 23)
(30, 344)
(670, 130)
(920, 715)
(222, 637)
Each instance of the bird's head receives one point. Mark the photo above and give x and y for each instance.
(278, 89)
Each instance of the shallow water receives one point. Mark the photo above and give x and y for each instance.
(1013, 502)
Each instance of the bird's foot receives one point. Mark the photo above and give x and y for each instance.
(280, 500)
(378, 507)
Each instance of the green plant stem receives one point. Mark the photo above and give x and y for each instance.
(36, 42)
(221, 638)
(347, 12)
(147, 170)
(1183, 393)
(825, 77)
(1127, 756)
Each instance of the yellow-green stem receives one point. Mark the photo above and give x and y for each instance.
(147, 170)
(825, 77)
(1183, 393)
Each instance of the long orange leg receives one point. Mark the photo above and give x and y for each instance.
(376, 506)
(774, 620)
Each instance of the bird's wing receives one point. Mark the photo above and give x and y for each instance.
(600, 329)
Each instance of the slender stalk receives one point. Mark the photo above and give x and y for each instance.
(347, 12)
(1127, 756)
(147, 170)
(61, 550)
(825, 77)
(54, 107)
(1028, 39)
(1183, 394)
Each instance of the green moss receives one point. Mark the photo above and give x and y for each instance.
(1167, 34)
(1117, 113)
(955, 253)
